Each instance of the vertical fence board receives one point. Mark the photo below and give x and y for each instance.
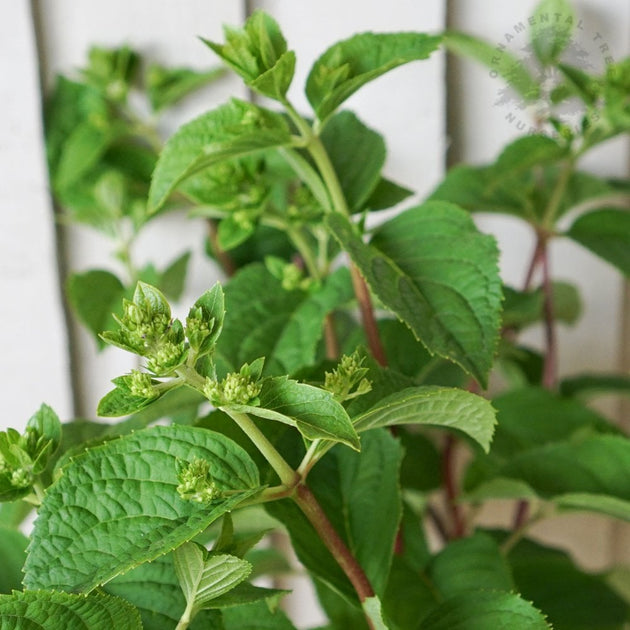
(34, 365)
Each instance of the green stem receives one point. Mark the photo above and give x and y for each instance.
(558, 192)
(304, 249)
(186, 617)
(288, 476)
(307, 461)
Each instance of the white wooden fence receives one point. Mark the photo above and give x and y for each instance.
(41, 38)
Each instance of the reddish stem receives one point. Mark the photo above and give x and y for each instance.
(224, 260)
(330, 338)
(551, 349)
(449, 478)
(362, 294)
(313, 511)
(550, 365)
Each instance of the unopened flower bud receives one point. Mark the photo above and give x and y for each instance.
(195, 482)
(21, 478)
(140, 384)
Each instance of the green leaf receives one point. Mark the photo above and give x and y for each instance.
(480, 610)
(258, 53)
(551, 29)
(232, 130)
(606, 233)
(349, 64)
(154, 590)
(50, 610)
(12, 556)
(373, 611)
(173, 278)
(313, 411)
(125, 492)
(283, 326)
(309, 548)
(255, 616)
(386, 194)
(525, 153)
(596, 465)
(503, 63)
(470, 564)
(474, 188)
(94, 296)
(523, 308)
(204, 576)
(121, 401)
(45, 422)
(449, 297)
(358, 177)
(571, 598)
(588, 385)
(531, 416)
(361, 495)
(82, 150)
(436, 406)
(582, 502)
(167, 86)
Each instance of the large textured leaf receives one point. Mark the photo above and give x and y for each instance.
(481, 610)
(607, 234)
(350, 64)
(49, 610)
(283, 326)
(12, 555)
(504, 63)
(117, 505)
(358, 177)
(232, 130)
(437, 406)
(313, 411)
(572, 599)
(449, 296)
(469, 564)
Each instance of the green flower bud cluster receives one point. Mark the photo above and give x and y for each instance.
(195, 482)
(146, 329)
(141, 384)
(290, 275)
(348, 380)
(24, 456)
(237, 388)
(166, 356)
(234, 389)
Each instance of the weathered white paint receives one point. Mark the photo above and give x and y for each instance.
(34, 361)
